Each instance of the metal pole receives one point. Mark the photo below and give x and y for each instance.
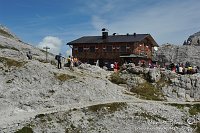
(46, 48)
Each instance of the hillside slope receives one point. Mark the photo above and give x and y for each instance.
(37, 97)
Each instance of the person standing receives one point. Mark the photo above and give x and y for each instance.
(59, 58)
(116, 67)
(71, 63)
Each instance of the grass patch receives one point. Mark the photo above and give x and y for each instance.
(6, 47)
(163, 81)
(197, 128)
(43, 118)
(193, 109)
(9, 81)
(115, 78)
(25, 130)
(148, 91)
(150, 116)
(109, 107)
(179, 106)
(39, 116)
(177, 125)
(10, 62)
(63, 77)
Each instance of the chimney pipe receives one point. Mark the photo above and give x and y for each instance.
(104, 33)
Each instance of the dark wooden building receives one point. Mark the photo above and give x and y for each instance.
(134, 48)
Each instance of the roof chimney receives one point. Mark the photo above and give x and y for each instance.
(104, 33)
(134, 34)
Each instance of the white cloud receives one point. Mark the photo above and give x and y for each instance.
(98, 22)
(54, 43)
(168, 21)
(68, 51)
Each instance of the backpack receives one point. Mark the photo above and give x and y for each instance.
(56, 57)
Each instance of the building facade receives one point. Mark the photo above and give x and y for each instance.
(108, 49)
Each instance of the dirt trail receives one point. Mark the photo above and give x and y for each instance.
(24, 117)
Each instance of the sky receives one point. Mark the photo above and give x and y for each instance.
(54, 23)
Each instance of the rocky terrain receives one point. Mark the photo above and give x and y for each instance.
(178, 54)
(36, 97)
(193, 39)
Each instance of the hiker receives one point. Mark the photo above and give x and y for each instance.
(97, 63)
(75, 61)
(71, 63)
(29, 55)
(180, 70)
(68, 61)
(116, 67)
(111, 66)
(59, 58)
(143, 64)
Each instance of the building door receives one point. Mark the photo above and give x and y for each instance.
(101, 62)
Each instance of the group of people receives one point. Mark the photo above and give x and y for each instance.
(184, 69)
(71, 61)
(112, 66)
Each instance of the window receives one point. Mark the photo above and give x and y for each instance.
(92, 48)
(109, 48)
(80, 49)
(122, 48)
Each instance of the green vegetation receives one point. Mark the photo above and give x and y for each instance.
(109, 107)
(198, 128)
(179, 106)
(115, 78)
(177, 125)
(163, 81)
(25, 130)
(39, 116)
(63, 77)
(51, 91)
(11, 62)
(6, 34)
(193, 109)
(148, 91)
(6, 47)
(9, 81)
(43, 118)
(150, 116)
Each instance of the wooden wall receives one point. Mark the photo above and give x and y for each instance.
(101, 52)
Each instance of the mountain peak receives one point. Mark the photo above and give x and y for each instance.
(193, 39)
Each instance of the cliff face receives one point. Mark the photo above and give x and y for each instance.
(178, 54)
(193, 39)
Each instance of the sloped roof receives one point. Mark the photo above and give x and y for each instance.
(132, 56)
(112, 39)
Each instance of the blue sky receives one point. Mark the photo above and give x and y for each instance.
(40, 22)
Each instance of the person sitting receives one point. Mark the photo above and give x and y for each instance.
(29, 55)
